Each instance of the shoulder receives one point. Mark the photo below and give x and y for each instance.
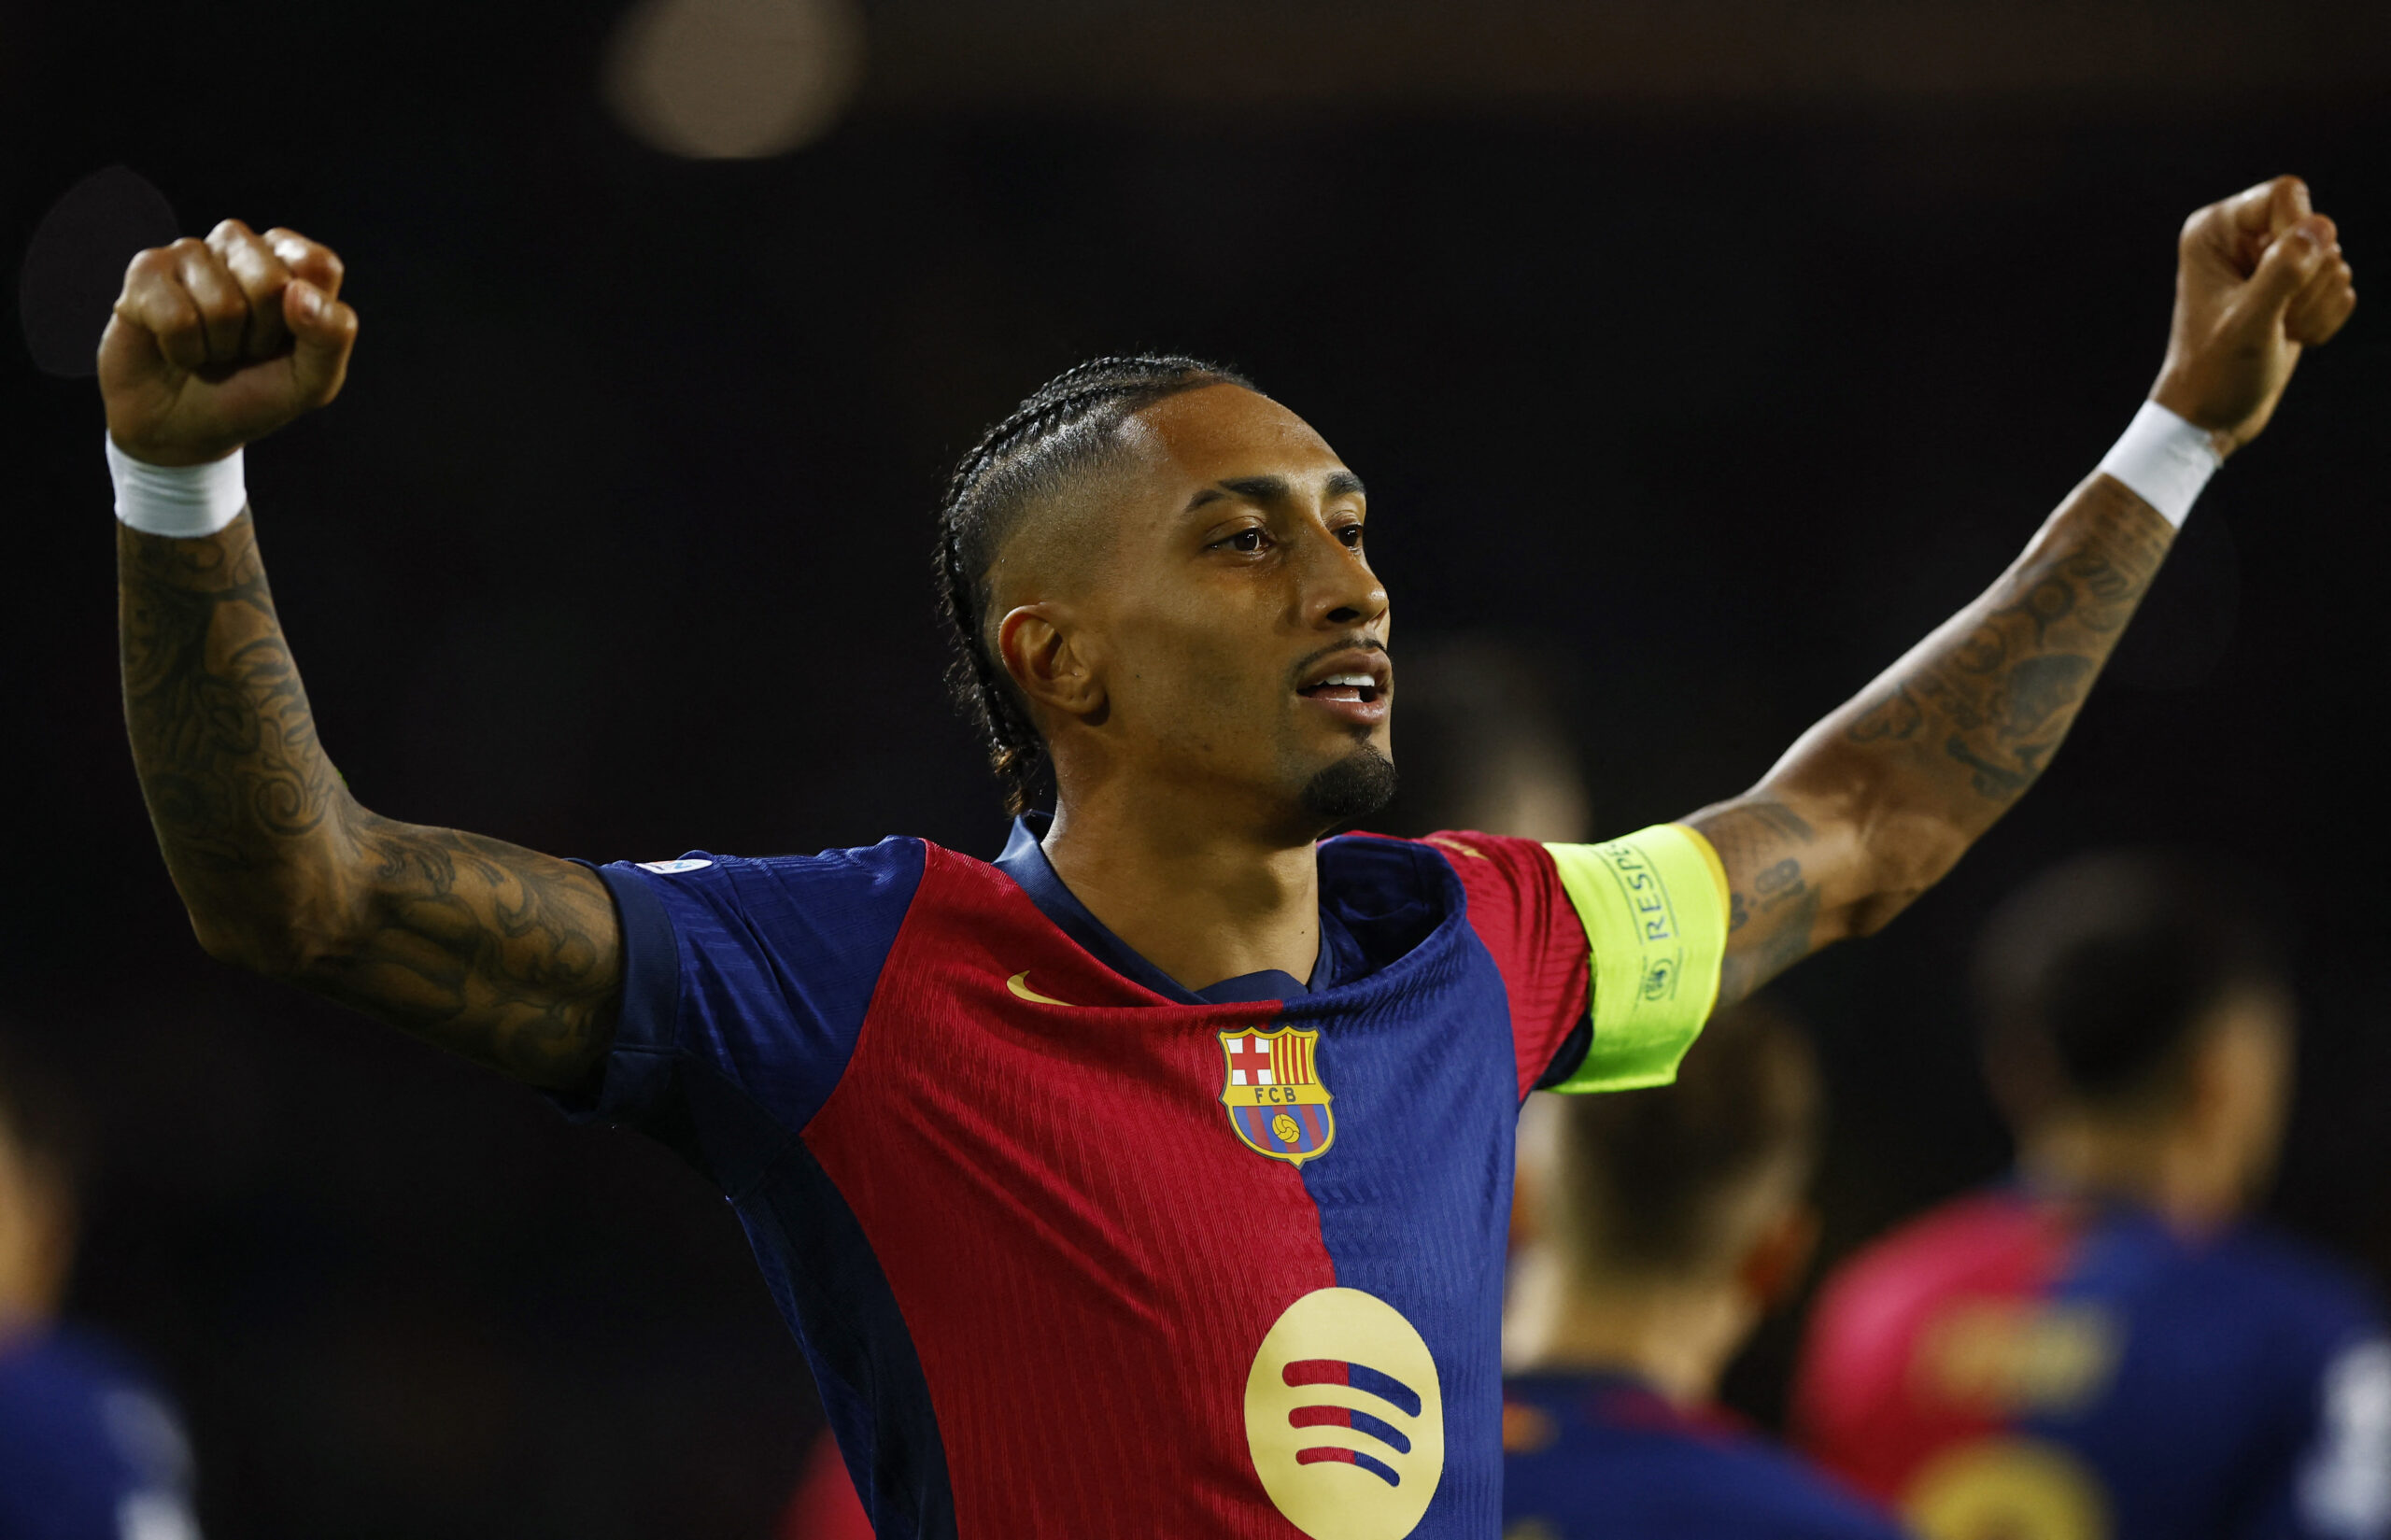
(1955, 1244)
(1395, 893)
(895, 864)
(2310, 1298)
(838, 902)
(1487, 876)
(64, 1364)
(73, 1400)
(1361, 862)
(1783, 1495)
(1377, 877)
(1871, 1309)
(2300, 1273)
(1661, 1474)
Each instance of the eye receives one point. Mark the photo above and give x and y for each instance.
(1352, 535)
(1246, 540)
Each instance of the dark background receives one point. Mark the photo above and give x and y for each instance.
(1713, 352)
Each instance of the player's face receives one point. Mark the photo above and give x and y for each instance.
(1242, 633)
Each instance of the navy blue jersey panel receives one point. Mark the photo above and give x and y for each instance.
(635, 1082)
(1388, 895)
(831, 1290)
(1415, 1191)
(2248, 1396)
(89, 1448)
(771, 963)
(1602, 1458)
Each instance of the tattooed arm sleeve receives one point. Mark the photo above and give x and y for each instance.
(1871, 806)
(504, 954)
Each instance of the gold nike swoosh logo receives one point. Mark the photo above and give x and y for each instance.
(1019, 984)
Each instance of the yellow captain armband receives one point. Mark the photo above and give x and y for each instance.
(1654, 905)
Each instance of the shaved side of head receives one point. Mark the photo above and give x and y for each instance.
(1059, 533)
(1022, 519)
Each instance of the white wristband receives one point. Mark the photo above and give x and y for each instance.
(2163, 460)
(182, 500)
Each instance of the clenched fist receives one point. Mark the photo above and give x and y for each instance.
(219, 342)
(2259, 277)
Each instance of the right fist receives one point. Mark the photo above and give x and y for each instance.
(2258, 277)
(219, 342)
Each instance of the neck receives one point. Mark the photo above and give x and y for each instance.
(1197, 896)
(2154, 1165)
(1674, 1336)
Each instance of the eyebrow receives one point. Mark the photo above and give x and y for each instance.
(1340, 483)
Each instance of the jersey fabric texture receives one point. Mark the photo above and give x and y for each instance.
(90, 1449)
(2016, 1365)
(825, 1505)
(1604, 1457)
(1073, 1249)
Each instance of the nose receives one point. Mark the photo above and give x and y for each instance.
(1340, 592)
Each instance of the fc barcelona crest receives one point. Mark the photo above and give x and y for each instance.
(1272, 1089)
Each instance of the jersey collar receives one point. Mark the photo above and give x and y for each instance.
(1024, 861)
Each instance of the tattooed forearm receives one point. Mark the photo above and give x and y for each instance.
(501, 953)
(1995, 690)
(1772, 904)
(1874, 804)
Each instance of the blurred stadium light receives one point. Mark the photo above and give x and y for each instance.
(735, 79)
(75, 264)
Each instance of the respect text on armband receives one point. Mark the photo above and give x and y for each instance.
(1642, 885)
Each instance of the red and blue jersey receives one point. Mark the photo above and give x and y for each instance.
(2016, 1365)
(1073, 1250)
(1604, 1457)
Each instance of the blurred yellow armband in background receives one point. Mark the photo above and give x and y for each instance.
(1654, 905)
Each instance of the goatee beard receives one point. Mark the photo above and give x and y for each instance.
(1355, 787)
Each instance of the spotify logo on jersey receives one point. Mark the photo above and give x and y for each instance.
(1344, 1418)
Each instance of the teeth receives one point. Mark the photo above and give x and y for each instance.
(1364, 681)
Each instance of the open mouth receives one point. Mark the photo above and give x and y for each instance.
(1358, 688)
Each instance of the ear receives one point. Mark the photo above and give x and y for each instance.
(2217, 1067)
(1041, 650)
(2208, 1079)
(1773, 1269)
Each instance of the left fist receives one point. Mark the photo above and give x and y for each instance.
(2258, 277)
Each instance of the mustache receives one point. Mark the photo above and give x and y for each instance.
(1353, 644)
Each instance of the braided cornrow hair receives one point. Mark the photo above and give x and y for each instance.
(1063, 428)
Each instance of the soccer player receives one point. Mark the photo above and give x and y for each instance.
(1153, 1178)
(2102, 1351)
(1667, 1222)
(89, 1448)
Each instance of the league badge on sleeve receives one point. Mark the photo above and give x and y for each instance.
(1271, 1087)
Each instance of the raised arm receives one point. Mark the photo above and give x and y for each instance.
(1874, 804)
(504, 954)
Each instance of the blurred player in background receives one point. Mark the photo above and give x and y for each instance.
(2104, 1350)
(1220, 1110)
(1666, 1224)
(90, 1449)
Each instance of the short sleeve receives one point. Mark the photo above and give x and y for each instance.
(1521, 913)
(1653, 906)
(752, 975)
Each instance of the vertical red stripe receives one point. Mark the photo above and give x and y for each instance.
(950, 1138)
